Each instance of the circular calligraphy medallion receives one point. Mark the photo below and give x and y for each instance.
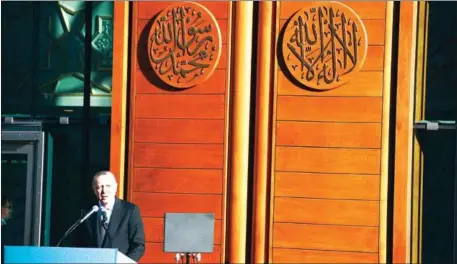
(324, 44)
(184, 44)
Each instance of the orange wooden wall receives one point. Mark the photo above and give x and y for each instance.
(327, 158)
(177, 140)
(328, 177)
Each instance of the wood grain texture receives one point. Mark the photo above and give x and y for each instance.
(375, 31)
(328, 186)
(155, 254)
(179, 130)
(178, 138)
(216, 84)
(262, 138)
(338, 109)
(147, 10)
(375, 59)
(157, 204)
(318, 134)
(154, 230)
(365, 10)
(197, 156)
(404, 132)
(179, 106)
(178, 180)
(362, 84)
(328, 212)
(326, 237)
(131, 103)
(238, 172)
(328, 160)
(283, 255)
(386, 142)
(119, 93)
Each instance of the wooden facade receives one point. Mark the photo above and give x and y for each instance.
(322, 159)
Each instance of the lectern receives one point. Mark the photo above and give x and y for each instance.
(28, 254)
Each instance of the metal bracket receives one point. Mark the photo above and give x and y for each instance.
(435, 125)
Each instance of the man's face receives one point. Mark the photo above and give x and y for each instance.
(6, 210)
(105, 188)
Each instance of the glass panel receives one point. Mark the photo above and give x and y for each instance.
(439, 147)
(43, 75)
(14, 182)
(61, 57)
(17, 57)
(43, 59)
(67, 166)
(102, 56)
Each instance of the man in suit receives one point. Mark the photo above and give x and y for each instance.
(117, 224)
(7, 208)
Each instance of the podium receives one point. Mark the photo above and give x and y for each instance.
(28, 254)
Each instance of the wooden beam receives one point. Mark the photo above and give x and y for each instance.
(404, 132)
(386, 98)
(265, 55)
(239, 139)
(119, 92)
(418, 163)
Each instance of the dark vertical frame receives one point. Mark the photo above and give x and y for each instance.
(31, 144)
(454, 253)
(36, 68)
(86, 101)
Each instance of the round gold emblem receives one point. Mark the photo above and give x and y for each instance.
(324, 44)
(184, 44)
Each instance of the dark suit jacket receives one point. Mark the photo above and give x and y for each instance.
(125, 231)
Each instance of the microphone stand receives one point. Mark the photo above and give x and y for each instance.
(69, 230)
(80, 220)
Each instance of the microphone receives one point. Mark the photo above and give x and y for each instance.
(94, 209)
(75, 225)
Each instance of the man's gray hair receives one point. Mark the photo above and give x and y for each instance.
(104, 172)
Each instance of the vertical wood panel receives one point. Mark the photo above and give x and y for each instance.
(178, 138)
(404, 132)
(239, 130)
(119, 93)
(265, 53)
(330, 146)
(386, 128)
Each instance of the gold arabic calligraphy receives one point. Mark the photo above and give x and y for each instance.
(323, 45)
(184, 45)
